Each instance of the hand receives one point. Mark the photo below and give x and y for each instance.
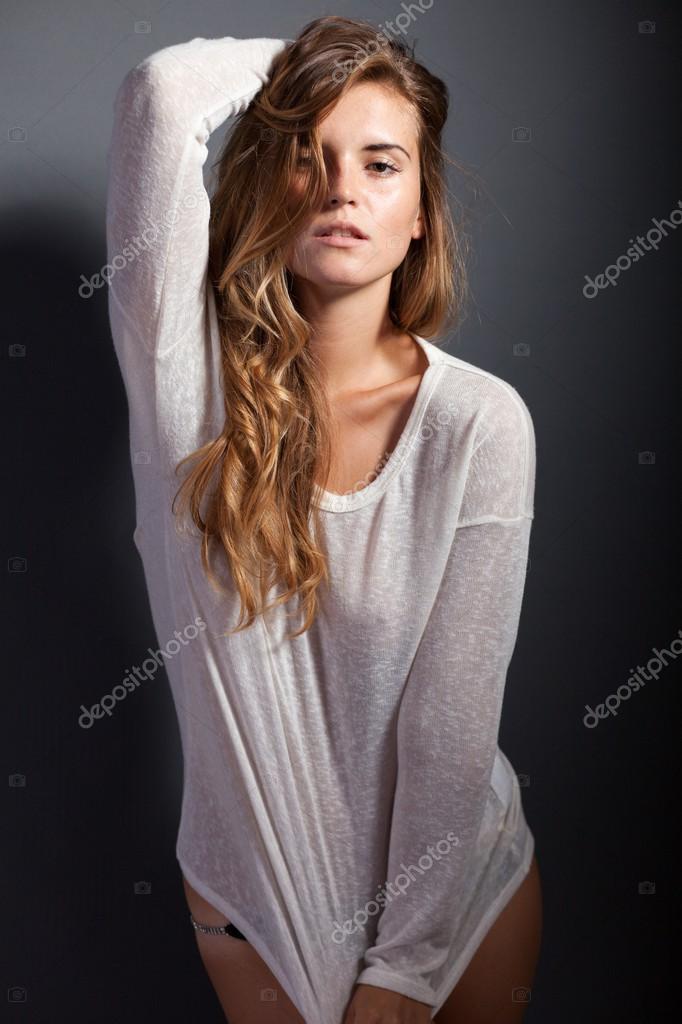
(373, 1005)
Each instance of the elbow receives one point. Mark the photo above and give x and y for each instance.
(141, 90)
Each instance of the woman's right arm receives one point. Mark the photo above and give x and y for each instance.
(157, 206)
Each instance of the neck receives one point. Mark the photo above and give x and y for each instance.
(352, 333)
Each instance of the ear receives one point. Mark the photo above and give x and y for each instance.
(418, 230)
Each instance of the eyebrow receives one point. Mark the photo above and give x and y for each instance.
(375, 146)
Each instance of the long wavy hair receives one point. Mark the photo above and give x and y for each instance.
(257, 479)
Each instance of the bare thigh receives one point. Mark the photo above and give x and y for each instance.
(246, 988)
(495, 987)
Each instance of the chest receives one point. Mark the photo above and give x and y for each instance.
(366, 429)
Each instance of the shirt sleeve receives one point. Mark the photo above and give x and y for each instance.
(449, 715)
(157, 207)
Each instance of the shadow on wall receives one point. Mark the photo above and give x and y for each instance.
(94, 813)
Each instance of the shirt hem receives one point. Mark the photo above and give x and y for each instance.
(384, 978)
(492, 913)
(244, 926)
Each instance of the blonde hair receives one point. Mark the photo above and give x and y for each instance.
(276, 439)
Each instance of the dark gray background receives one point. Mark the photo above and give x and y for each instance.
(100, 808)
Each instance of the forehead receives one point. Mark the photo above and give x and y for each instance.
(372, 109)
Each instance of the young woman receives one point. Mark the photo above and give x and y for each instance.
(338, 591)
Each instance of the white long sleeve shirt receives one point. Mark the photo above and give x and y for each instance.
(345, 801)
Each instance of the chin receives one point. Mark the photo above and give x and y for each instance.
(340, 280)
(363, 274)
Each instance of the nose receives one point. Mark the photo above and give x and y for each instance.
(341, 186)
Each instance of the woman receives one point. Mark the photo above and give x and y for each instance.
(352, 842)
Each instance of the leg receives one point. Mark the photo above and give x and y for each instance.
(246, 988)
(504, 962)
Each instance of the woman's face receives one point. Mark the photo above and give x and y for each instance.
(377, 190)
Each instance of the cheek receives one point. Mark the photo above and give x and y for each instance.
(393, 212)
(295, 256)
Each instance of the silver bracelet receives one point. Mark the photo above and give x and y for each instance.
(209, 929)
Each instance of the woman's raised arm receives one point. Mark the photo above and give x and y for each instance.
(157, 207)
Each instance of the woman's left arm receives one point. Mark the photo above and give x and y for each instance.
(449, 715)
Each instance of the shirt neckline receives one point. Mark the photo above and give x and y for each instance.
(330, 501)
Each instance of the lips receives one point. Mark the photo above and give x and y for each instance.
(340, 226)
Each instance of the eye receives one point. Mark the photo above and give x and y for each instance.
(384, 163)
(390, 168)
